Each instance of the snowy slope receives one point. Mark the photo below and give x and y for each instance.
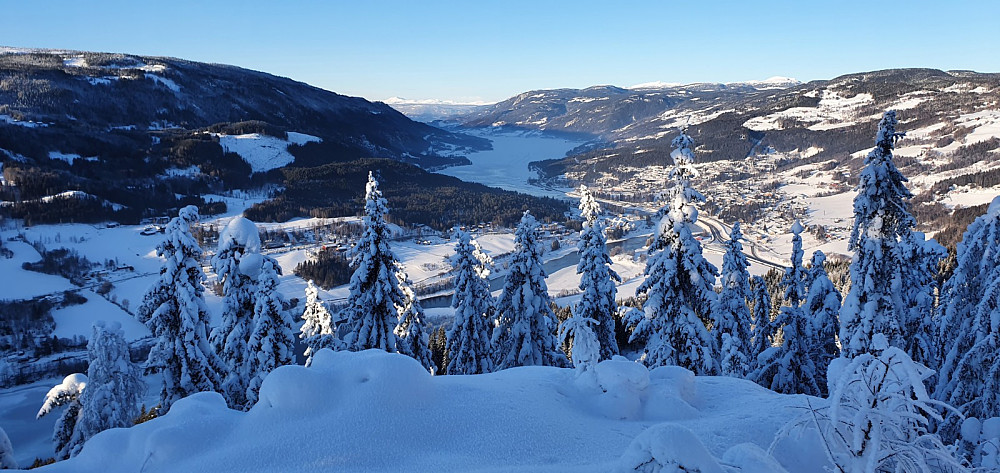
(264, 153)
(372, 411)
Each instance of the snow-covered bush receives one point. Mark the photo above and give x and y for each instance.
(981, 440)
(668, 448)
(879, 416)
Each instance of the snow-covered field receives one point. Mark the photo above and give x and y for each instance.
(264, 153)
(373, 411)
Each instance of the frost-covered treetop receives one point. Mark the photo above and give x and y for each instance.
(887, 136)
(994, 209)
(589, 208)
(375, 205)
(880, 208)
(189, 214)
(70, 388)
(682, 154)
(241, 232)
(797, 227)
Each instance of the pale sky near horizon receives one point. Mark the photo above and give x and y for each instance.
(478, 50)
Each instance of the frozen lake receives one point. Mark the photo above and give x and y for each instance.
(506, 165)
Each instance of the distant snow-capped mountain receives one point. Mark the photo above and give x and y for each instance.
(431, 110)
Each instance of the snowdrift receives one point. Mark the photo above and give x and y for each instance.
(376, 411)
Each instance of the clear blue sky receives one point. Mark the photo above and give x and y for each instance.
(490, 50)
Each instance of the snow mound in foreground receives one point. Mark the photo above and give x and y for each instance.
(376, 411)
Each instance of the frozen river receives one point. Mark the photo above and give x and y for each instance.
(506, 165)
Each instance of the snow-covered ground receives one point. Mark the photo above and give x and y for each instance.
(263, 153)
(374, 411)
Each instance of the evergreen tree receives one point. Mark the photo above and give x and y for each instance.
(236, 262)
(977, 255)
(732, 328)
(679, 281)
(66, 394)
(597, 279)
(412, 339)
(920, 259)
(114, 387)
(468, 345)
(271, 342)
(822, 306)
(7, 461)
(175, 312)
(525, 324)
(383, 312)
(789, 368)
(975, 382)
(318, 328)
(372, 313)
(883, 278)
(764, 330)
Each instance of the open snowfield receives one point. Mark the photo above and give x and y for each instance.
(373, 411)
(262, 152)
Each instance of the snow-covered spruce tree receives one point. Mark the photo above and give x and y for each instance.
(880, 413)
(597, 279)
(920, 328)
(468, 344)
(318, 328)
(764, 329)
(175, 312)
(66, 394)
(789, 368)
(978, 253)
(411, 337)
(822, 307)
(975, 382)
(524, 333)
(271, 344)
(372, 313)
(383, 311)
(114, 386)
(732, 327)
(679, 281)
(7, 461)
(880, 269)
(236, 262)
